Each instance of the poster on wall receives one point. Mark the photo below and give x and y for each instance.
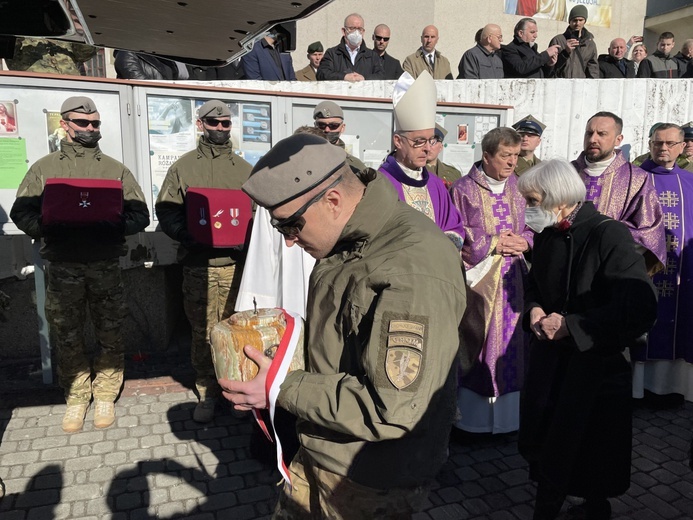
(8, 119)
(54, 132)
(599, 11)
(13, 162)
(170, 124)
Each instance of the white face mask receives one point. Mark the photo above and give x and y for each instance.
(538, 218)
(354, 38)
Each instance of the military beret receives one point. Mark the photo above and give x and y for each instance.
(579, 11)
(81, 104)
(315, 47)
(328, 109)
(653, 128)
(440, 131)
(213, 108)
(529, 125)
(688, 130)
(292, 167)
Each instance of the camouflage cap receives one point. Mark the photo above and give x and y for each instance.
(315, 47)
(80, 104)
(529, 125)
(292, 167)
(328, 109)
(214, 108)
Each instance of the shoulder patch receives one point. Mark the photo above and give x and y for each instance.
(402, 351)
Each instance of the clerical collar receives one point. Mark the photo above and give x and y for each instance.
(595, 169)
(417, 175)
(494, 185)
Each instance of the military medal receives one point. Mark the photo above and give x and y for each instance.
(203, 221)
(84, 195)
(217, 225)
(234, 212)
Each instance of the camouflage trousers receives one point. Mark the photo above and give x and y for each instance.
(72, 287)
(209, 296)
(318, 494)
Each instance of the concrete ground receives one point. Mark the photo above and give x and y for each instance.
(155, 462)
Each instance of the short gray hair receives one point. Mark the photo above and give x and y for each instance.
(556, 181)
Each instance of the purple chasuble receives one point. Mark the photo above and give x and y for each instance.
(491, 325)
(625, 193)
(446, 215)
(670, 338)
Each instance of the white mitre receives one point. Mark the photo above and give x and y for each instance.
(414, 102)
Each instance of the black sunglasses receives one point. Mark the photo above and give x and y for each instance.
(332, 126)
(210, 121)
(381, 38)
(83, 123)
(291, 226)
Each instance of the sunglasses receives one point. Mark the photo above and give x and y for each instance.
(210, 121)
(83, 123)
(291, 226)
(332, 126)
(381, 38)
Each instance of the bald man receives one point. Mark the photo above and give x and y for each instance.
(381, 39)
(615, 64)
(428, 58)
(483, 61)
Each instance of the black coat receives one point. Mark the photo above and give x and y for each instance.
(392, 68)
(608, 67)
(336, 63)
(575, 409)
(134, 65)
(521, 60)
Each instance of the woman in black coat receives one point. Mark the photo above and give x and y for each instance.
(589, 298)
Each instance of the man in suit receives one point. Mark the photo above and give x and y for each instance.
(615, 64)
(267, 62)
(315, 52)
(428, 58)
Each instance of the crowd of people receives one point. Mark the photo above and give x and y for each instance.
(522, 295)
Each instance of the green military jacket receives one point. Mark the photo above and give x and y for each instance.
(377, 399)
(49, 56)
(681, 160)
(523, 165)
(208, 166)
(448, 173)
(79, 244)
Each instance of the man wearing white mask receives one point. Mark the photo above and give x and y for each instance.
(351, 60)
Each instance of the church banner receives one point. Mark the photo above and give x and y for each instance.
(598, 11)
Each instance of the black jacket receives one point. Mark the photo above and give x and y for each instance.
(133, 65)
(336, 63)
(685, 65)
(608, 67)
(391, 66)
(520, 60)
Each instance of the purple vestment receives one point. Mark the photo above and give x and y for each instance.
(625, 193)
(495, 302)
(446, 215)
(670, 338)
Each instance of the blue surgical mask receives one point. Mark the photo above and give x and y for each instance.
(538, 218)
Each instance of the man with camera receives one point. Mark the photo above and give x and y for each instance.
(578, 56)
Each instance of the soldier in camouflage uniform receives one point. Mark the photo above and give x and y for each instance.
(376, 400)
(448, 173)
(49, 56)
(84, 270)
(211, 276)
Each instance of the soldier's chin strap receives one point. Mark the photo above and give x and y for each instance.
(275, 377)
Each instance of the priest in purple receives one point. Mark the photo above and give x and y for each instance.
(665, 365)
(495, 242)
(621, 190)
(415, 111)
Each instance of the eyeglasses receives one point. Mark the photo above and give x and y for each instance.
(210, 121)
(332, 126)
(421, 141)
(292, 226)
(670, 144)
(381, 38)
(352, 29)
(499, 36)
(83, 123)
